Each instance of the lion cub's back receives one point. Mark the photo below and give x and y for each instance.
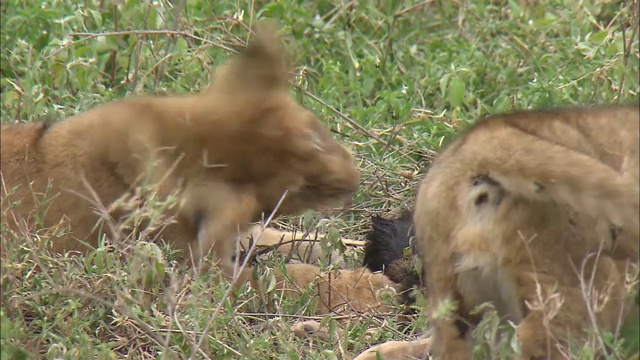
(20, 159)
(19, 145)
(607, 133)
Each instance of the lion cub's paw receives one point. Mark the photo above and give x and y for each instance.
(313, 329)
(398, 350)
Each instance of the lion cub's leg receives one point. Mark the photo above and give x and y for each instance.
(451, 333)
(219, 215)
(558, 325)
(211, 213)
(344, 292)
(400, 350)
(447, 343)
(298, 245)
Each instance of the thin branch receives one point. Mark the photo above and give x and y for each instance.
(90, 35)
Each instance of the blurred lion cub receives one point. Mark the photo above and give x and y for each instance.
(229, 153)
(526, 205)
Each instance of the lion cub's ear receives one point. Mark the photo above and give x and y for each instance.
(261, 66)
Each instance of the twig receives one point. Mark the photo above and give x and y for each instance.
(352, 124)
(411, 8)
(89, 36)
(171, 44)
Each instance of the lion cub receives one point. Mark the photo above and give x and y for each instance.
(343, 292)
(229, 154)
(524, 206)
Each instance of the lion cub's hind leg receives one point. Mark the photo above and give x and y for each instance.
(555, 326)
(490, 268)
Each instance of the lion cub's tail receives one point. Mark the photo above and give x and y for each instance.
(532, 167)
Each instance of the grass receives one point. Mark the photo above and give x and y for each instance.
(394, 79)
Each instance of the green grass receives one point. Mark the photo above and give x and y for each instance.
(393, 79)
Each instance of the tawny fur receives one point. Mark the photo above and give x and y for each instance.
(398, 350)
(517, 202)
(343, 292)
(294, 245)
(229, 154)
(305, 329)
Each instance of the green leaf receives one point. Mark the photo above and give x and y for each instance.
(97, 17)
(272, 283)
(455, 92)
(599, 37)
(444, 81)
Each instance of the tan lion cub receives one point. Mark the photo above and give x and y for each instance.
(524, 206)
(229, 153)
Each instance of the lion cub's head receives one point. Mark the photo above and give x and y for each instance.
(277, 145)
